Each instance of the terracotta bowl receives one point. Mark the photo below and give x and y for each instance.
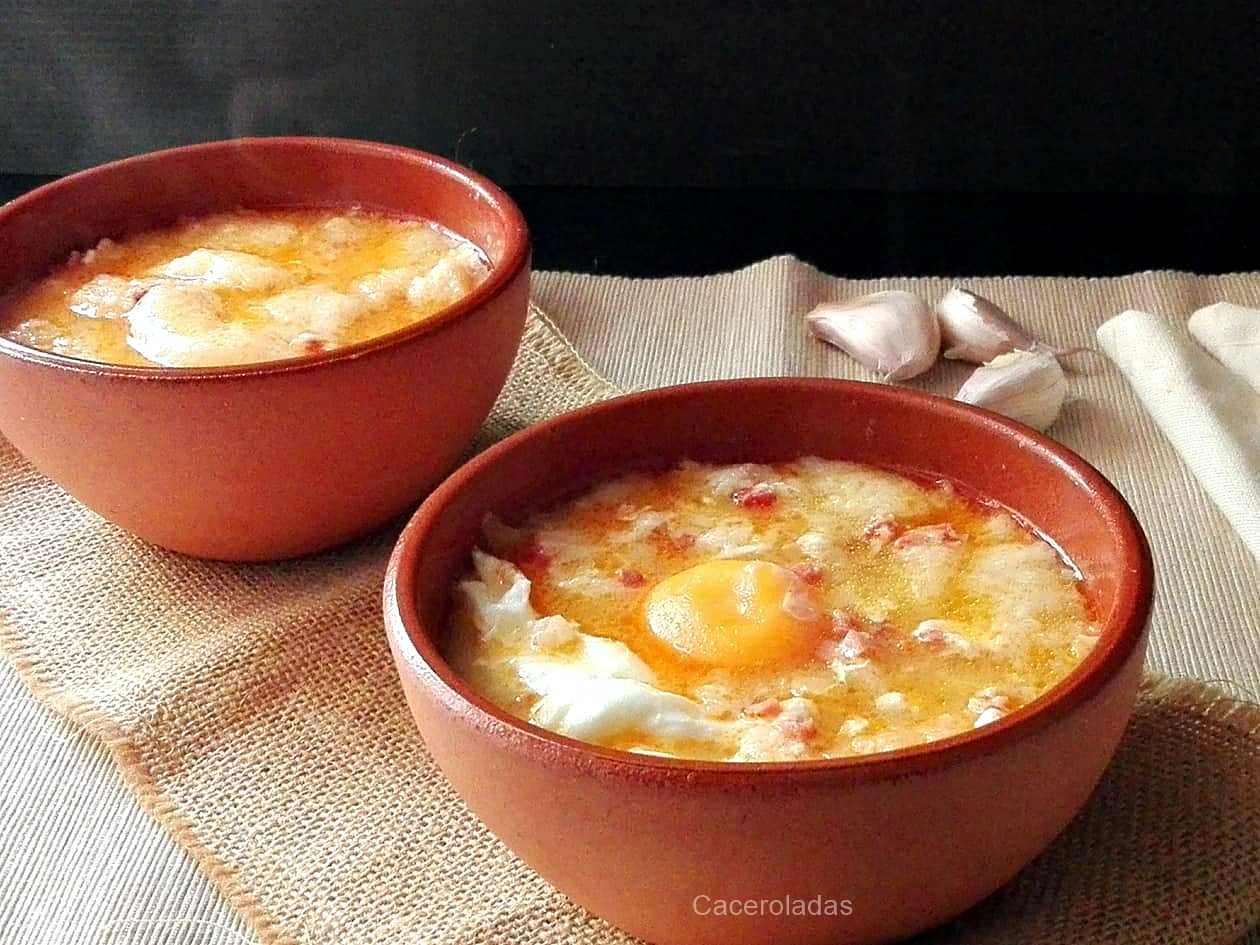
(906, 839)
(263, 461)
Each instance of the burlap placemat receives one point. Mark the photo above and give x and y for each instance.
(255, 713)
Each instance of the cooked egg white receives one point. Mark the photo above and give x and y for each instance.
(583, 686)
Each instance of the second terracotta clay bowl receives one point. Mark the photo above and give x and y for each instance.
(279, 459)
(896, 842)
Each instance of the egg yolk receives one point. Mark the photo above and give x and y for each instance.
(735, 614)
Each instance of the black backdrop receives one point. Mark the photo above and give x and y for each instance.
(867, 96)
(923, 137)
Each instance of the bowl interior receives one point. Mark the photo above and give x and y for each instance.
(780, 419)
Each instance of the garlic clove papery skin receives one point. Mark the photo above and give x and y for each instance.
(893, 332)
(977, 330)
(1027, 386)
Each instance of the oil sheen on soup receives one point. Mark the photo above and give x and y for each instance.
(804, 610)
(244, 287)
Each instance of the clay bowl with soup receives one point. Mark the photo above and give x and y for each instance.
(258, 348)
(773, 660)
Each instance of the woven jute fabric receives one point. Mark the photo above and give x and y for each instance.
(254, 711)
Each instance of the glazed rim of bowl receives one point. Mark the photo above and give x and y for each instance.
(1120, 633)
(482, 189)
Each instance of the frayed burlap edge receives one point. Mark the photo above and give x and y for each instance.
(542, 340)
(1206, 700)
(136, 774)
(1212, 703)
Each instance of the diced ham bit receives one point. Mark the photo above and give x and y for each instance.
(629, 577)
(760, 496)
(313, 346)
(879, 533)
(803, 729)
(856, 639)
(842, 622)
(810, 573)
(796, 720)
(855, 644)
(765, 709)
(532, 556)
(943, 534)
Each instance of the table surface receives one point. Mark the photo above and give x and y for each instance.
(632, 232)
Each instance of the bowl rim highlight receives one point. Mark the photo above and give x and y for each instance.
(1121, 632)
(516, 257)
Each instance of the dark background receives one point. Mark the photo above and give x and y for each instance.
(869, 138)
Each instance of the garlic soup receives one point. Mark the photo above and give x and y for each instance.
(795, 611)
(244, 287)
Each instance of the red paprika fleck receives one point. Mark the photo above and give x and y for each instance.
(533, 555)
(630, 577)
(803, 729)
(760, 496)
(765, 709)
(808, 572)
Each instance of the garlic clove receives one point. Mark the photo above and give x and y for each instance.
(1028, 386)
(893, 332)
(976, 330)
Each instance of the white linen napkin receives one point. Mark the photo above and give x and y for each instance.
(1232, 333)
(1206, 410)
